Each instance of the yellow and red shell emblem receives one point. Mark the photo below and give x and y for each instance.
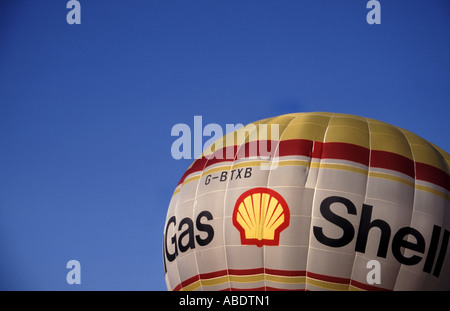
(260, 214)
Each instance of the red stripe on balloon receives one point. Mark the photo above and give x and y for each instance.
(330, 150)
(276, 272)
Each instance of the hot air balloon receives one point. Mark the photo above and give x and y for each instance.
(331, 202)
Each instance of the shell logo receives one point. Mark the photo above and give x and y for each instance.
(260, 214)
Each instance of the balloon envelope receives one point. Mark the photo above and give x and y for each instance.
(312, 201)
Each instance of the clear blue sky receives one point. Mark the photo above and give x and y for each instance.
(86, 110)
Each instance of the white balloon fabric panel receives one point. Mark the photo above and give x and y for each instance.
(339, 191)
